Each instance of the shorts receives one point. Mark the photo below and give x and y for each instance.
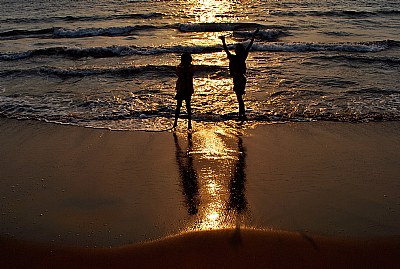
(239, 84)
(183, 96)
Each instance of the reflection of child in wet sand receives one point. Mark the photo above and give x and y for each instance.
(237, 69)
(184, 87)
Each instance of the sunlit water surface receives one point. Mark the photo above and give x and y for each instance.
(111, 64)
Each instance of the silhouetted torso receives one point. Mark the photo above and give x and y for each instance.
(184, 84)
(237, 65)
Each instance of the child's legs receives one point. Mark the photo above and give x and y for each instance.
(177, 111)
(239, 86)
(189, 112)
(241, 104)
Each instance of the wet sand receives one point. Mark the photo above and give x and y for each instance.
(64, 188)
(214, 249)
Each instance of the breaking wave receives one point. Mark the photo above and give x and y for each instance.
(120, 51)
(161, 70)
(59, 32)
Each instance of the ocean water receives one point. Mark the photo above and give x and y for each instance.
(111, 64)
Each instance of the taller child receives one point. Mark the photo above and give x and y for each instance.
(237, 69)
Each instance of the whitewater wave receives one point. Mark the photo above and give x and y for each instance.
(160, 70)
(110, 31)
(104, 52)
(59, 32)
(120, 51)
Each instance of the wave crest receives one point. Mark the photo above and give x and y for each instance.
(217, 27)
(120, 51)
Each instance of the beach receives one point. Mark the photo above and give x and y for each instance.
(295, 195)
(93, 176)
(214, 249)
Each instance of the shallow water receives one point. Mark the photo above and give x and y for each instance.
(110, 64)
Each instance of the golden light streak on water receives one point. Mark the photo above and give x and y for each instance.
(209, 10)
(213, 154)
(214, 94)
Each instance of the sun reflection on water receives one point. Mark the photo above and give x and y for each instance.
(214, 154)
(209, 10)
(213, 93)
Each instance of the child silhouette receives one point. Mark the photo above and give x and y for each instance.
(237, 70)
(184, 87)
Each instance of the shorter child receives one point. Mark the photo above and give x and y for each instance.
(184, 87)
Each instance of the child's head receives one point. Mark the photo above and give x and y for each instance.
(186, 58)
(239, 49)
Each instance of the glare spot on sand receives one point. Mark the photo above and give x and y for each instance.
(215, 152)
(213, 217)
(212, 188)
(211, 145)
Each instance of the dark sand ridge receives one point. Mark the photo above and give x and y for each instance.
(214, 249)
(72, 161)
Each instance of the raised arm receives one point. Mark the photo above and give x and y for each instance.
(252, 40)
(224, 45)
